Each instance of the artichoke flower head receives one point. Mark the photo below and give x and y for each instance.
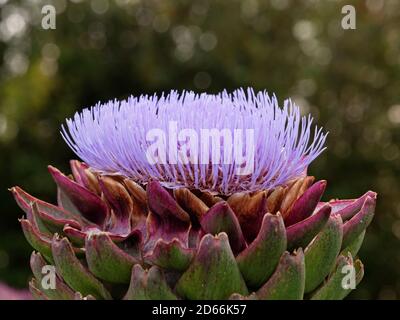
(194, 196)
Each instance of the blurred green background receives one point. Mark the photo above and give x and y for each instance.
(101, 49)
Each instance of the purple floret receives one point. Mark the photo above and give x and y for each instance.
(111, 138)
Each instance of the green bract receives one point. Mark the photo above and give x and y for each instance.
(111, 238)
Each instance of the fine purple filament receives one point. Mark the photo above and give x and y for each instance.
(111, 138)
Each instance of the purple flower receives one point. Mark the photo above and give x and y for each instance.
(115, 138)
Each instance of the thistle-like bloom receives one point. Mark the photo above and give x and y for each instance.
(114, 138)
(117, 221)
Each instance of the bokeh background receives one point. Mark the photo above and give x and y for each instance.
(101, 49)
